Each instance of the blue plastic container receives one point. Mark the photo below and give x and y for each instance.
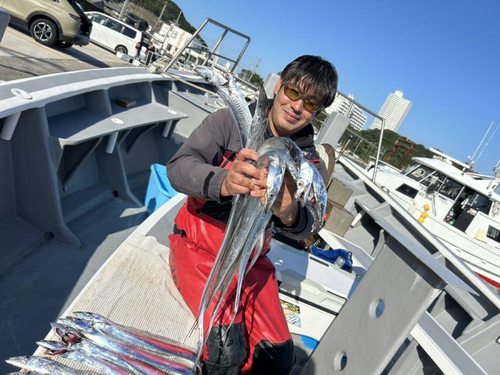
(159, 189)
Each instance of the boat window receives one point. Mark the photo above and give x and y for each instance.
(480, 203)
(433, 181)
(407, 190)
(450, 189)
(409, 168)
(420, 173)
(493, 233)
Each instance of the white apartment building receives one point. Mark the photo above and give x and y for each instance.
(342, 105)
(172, 38)
(394, 111)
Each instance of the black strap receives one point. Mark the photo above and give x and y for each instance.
(179, 231)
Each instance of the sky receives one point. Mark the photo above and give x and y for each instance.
(443, 54)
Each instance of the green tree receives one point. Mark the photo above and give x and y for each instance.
(251, 77)
(368, 147)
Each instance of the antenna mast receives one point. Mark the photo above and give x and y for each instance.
(487, 143)
(471, 161)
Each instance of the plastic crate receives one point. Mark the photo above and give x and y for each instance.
(159, 189)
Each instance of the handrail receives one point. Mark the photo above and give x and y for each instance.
(382, 128)
(212, 52)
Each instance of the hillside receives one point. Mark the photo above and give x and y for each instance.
(364, 150)
(171, 13)
(149, 10)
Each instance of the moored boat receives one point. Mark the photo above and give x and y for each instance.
(460, 208)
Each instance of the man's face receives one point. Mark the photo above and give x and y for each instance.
(287, 117)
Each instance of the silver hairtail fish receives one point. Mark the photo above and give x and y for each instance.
(319, 198)
(253, 220)
(112, 329)
(225, 86)
(304, 182)
(42, 365)
(104, 360)
(56, 348)
(223, 259)
(71, 330)
(275, 165)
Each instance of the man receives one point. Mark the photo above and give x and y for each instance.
(211, 168)
(150, 53)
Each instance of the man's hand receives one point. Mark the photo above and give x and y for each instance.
(241, 174)
(285, 206)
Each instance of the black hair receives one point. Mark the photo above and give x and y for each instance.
(313, 74)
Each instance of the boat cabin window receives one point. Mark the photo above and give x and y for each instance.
(433, 181)
(493, 233)
(450, 189)
(407, 190)
(479, 202)
(420, 173)
(409, 168)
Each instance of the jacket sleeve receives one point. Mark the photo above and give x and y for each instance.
(194, 170)
(307, 223)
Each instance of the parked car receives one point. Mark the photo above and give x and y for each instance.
(60, 22)
(115, 35)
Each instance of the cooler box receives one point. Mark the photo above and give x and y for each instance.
(311, 290)
(159, 189)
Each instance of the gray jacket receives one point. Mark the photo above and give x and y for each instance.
(196, 171)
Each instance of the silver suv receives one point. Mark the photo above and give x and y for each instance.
(61, 22)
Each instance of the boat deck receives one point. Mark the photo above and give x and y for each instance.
(134, 288)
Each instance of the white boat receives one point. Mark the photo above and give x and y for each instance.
(75, 235)
(460, 208)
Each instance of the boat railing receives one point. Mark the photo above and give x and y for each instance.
(353, 104)
(168, 63)
(383, 316)
(423, 233)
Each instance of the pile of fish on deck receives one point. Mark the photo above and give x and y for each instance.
(111, 349)
(248, 218)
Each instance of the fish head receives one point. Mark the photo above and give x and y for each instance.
(89, 316)
(77, 323)
(211, 76)
(21, 361)
(53, 347)
(304, 182)
(321, 198)
(66, 333)
(303, 188)
(204, 72)
(274, 179)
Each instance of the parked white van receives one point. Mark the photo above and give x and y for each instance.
(112, 34)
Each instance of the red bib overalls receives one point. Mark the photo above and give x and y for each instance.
(259, 341)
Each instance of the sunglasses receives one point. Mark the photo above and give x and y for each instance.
(294, 93)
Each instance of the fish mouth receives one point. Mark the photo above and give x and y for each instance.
(17, 361)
